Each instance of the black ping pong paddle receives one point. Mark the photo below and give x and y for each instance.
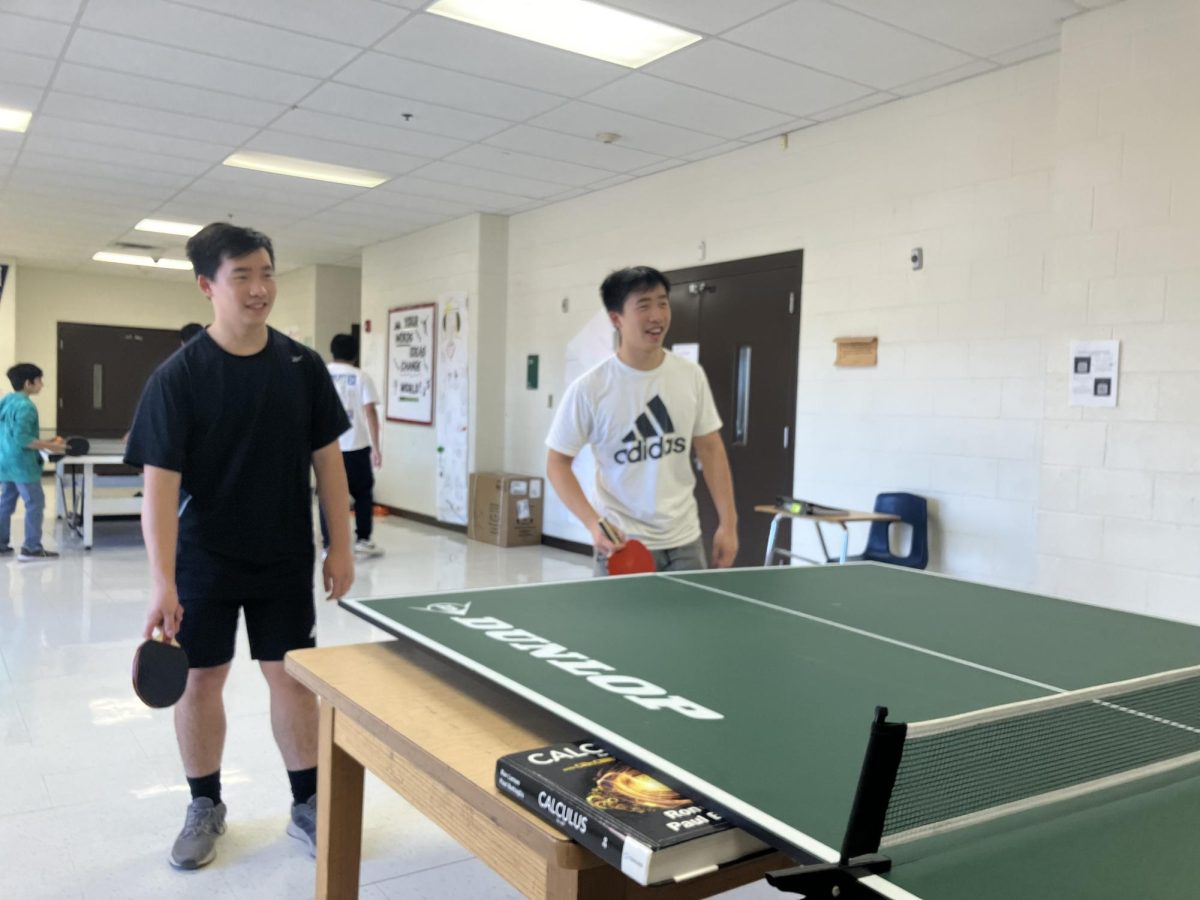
(160, 672)
(78, 446)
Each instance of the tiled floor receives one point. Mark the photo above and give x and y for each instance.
(91, 788)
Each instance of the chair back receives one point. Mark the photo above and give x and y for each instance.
(912, 511)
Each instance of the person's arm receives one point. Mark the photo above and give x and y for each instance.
(334, 497)
(373, 427)
(160, 528)
(715, 466)
(566, 485)
(45, 445)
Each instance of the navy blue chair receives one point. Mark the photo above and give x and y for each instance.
(913, 511)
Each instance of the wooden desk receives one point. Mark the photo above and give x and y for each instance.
(433, 732)
(840, 517)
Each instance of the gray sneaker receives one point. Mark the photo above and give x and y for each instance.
(303, 826)
(25, 554)
(196, 845)
(366, 548)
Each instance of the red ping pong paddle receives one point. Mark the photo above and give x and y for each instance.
(632, 559)
(160, 672)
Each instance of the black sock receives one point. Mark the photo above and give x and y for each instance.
(304, 784)
(207, 786)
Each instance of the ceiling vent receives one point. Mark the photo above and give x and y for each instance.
(131, 245)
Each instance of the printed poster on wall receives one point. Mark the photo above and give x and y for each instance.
(453, 405)
(1094, 367)
(410, 365)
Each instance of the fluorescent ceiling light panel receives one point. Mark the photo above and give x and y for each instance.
(14, 119)
(580, 26)
(304, 168)
(161, 226)
(129, 260)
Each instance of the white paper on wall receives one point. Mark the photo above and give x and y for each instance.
(1094, 369)
(453, 407)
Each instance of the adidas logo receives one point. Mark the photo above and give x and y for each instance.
(649, 436)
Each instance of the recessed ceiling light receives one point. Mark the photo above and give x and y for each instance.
(130, 260)
(580, 26)
(161, 226)
(14, 119)
(304, 168)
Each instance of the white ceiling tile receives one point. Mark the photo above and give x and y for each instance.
(496, 159)
(786, 128)
(587, 120)
(688, 107)
(174, 64)
(719, 150)
(612, 182)
(585, 151)
(103, 190)
(383, 199)
(366, 134)
(34, 36)
(705, 16)
(405, 78)
(139, 118)
(39, 142)
(385, 109)
(338, 154)
(982, 27)
(922, 85)
(354, 214)
(358, 22)
(660, 167)
(20, 96)
(19, 68)
(155, 93)
(527, 188)
(1043, 47)
(140, 141)
(183, 26)
(854, 106)
(846, 44)
(230, 181)
(734, 71)
(476, 198)
(98, 169)
(58, 10)
(437, 40)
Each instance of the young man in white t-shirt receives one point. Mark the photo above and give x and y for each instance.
(643, 411)
(360, 444)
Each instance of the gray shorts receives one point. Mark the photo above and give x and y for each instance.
(689, 557)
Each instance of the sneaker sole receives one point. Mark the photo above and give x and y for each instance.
(300, 834)
(191, 865)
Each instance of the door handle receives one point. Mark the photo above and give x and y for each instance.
(741, 418)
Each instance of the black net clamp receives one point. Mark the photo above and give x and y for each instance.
(840, 880)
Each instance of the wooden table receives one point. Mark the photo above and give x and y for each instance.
(433, 732)
(838, 517)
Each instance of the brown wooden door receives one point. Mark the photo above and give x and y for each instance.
(101, 372)
(745, 316)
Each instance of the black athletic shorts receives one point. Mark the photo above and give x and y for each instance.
(277, 599)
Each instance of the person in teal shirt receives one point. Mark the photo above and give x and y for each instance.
(20, 465)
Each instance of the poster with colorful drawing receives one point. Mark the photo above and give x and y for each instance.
(453, 405)
(411, 345)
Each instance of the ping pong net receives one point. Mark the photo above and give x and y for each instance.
(926, 778)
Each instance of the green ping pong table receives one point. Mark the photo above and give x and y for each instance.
(757, 691)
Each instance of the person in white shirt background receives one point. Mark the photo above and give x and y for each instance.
(643, 411)
(360, 444)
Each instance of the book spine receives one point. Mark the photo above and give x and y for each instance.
(575, 819)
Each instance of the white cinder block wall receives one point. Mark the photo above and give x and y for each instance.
(952, 410)
(1119, 503)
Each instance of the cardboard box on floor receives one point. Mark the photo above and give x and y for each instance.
(506, 509)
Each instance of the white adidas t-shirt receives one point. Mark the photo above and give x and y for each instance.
(357, 391)
(640, 426)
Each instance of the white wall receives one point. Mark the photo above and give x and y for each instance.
(8, 322)
(295, 311)
(338, 303)
(1119, 503)
(469, 255)
(49, 297)
(952, 410)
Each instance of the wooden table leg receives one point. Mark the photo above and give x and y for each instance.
(339, 815)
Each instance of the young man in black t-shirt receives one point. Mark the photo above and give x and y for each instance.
(227, 431)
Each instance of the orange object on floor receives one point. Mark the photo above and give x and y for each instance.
(380, 511)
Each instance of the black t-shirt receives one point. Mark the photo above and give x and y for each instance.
(241, 430)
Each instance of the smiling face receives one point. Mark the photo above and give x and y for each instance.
(243, 290)
(644, 319)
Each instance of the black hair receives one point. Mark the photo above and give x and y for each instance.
(189, 331)
(215, 243)
(21, 374)
(344, 347)
(617, 287)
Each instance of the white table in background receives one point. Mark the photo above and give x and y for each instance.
(76, 480)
